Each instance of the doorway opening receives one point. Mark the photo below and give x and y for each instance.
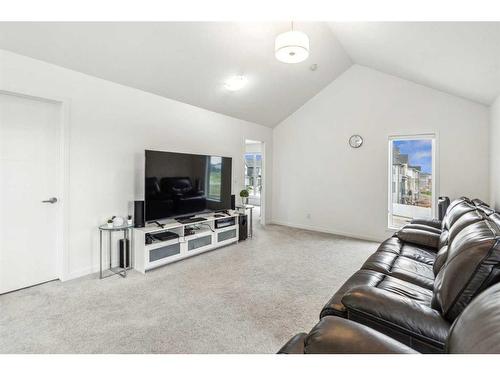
(254, 176)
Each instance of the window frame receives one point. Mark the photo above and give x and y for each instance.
(435, 172)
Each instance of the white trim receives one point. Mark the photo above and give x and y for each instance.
(63, 185)
(434, 137)
(328, 230)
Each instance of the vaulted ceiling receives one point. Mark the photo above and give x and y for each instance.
(460, 58)
(189, 61)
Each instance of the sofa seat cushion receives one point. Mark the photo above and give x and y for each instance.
(401, 316)
(406, 289)
(401, 267)
(366, 277)
(333, 335)
(419, 253)
(361, 278)
(402, 292)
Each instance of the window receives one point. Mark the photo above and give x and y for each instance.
(214, 178)
(412, 179)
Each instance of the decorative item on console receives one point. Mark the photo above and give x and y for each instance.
(118, 221)
(244, 196)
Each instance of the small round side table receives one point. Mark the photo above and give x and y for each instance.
(122, 271)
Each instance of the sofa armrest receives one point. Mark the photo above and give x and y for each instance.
(435, 223)
(334, 335)
(415, 234)
(295, 345)
(397, 313)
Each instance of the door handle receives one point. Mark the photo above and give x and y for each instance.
(50, 200)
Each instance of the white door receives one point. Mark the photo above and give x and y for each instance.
(29, 174)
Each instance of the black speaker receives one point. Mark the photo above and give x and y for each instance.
(243, 224)
(139, 214)
(233, 202)
(124, 249)
(443, 203)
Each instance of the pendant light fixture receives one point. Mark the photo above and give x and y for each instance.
(292, 47)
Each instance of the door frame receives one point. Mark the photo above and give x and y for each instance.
(62, 229)
(264, 177)
(434, 137)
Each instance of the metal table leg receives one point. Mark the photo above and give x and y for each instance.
(100, 252)
(251, 222)
(125, 252)
(110, 235)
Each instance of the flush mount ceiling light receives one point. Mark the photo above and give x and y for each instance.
(235, 83)
(292, 47)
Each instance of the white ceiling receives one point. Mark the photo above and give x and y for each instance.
(189, 61)
(460, 58)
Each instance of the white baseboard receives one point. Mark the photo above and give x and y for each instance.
(90, 270)
(327, 230)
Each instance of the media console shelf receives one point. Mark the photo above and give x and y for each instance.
(206, 237)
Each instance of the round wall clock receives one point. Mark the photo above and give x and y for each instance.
(355, 141)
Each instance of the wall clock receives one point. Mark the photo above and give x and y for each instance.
(355, 141)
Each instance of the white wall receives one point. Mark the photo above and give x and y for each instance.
(253, 147)
(495, 154)
(344, 190)
(110, 126)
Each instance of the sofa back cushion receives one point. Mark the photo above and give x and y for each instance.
(455, 211)
(477, 329)
(478, 202)
(495, 218)
(472, 264)
(467, 218)
(441, 257)
(455, 203)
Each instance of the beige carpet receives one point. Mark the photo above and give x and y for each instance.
(246, 298)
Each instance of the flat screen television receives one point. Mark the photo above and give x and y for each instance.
(178, 185)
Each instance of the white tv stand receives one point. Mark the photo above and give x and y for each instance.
(207, 237)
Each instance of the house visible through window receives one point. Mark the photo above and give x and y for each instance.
(253, 174)
(412, 179)
(214, 178)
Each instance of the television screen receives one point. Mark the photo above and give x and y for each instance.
(179, 185)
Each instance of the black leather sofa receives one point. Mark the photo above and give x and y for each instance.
(413, 288)
(475, 331)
